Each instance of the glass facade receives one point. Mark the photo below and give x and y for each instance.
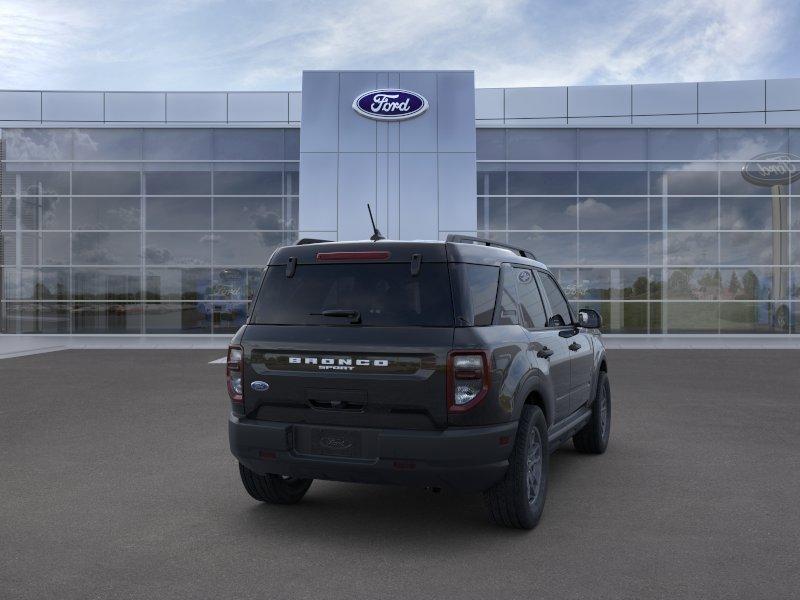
(141, 230)
(166, 231)
(660, 230)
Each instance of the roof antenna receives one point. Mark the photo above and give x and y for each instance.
(377, 234)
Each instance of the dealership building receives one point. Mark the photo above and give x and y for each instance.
(672, 209)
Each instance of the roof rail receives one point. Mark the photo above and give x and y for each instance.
(467, 239)
(304, 241)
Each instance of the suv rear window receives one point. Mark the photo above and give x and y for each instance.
(384, 294)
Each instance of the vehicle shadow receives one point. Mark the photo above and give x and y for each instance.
(360, 512)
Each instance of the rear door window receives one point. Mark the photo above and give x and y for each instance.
(385, 294)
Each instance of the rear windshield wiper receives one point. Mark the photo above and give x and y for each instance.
(353, 315)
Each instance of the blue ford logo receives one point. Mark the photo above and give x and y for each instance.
(390, 105)
(772, 168)
(260, 386)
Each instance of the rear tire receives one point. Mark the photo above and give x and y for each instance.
(518, 500)
(593, 438)
(273, 489)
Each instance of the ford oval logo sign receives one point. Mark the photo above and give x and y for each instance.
(390, 105)
(772, 168)
(259, 386)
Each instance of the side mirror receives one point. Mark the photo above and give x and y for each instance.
(590, 319)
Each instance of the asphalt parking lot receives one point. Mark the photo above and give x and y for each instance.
(116, 482)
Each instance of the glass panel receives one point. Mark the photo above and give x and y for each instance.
(177, 144)
(491, 179)
(291, 144)
(108, 144)
(609, 183)
(673, 179)
(228, 317)
(795, 256)
(38, 144)
(621, 317)
(795, 316)
(474, 293)
(656, 212)
(249, 213)
(106, 284)
(106, 213)
(106, 248)
(542, 179)
(795, 216)
(655, 318)
(45, 248)
(753, 317)
(248, 144)
(613, 249)
(117, 183)
(248, 179)
(733, 182)
(693, 284)
(36, 180)
(107, 317)
(754, 213)
(542, 213)
(178, 248)
(178, 183)
(745, 144)
(291, 178)
(752, 248)
(613, 284)
(508, 312)
(184, 317)
(550, 248)
(492, 213)
(692, 249)
(45, 212)
(612, 144)
(34, 317)
(682, 144)
(656, 284)
(755, 283)
(794, 285)
(690, 317)
(612, 213)
(236, 284)
(8, 248)
(36, 284)
(8, 214)
(178, 213)
(491, 144)
(240, 249)
(178, 284)
(542, 144)
(692, 213)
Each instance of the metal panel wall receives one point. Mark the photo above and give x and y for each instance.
(418, 174)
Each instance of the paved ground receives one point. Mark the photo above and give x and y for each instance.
(116, 482)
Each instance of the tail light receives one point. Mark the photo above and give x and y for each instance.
(233, 374)
(467, 379)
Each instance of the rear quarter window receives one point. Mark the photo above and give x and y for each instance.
(474, 293)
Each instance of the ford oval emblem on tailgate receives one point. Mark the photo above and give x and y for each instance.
(335, 443)
(260, 386)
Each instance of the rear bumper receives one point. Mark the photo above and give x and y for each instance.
(462, 458)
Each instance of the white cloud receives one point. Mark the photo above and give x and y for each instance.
(206, 44)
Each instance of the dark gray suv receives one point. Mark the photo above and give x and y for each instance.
(440, 364)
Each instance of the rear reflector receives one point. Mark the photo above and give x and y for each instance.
(371, 255)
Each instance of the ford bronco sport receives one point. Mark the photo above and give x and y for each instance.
(456, 363)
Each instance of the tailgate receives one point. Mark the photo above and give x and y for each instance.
(386, 377)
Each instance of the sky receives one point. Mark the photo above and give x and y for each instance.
(264, 45)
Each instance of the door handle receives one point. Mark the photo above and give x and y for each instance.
(545, 352)
(574, 346)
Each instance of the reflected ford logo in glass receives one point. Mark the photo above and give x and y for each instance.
(390, 105)
(772, 168)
